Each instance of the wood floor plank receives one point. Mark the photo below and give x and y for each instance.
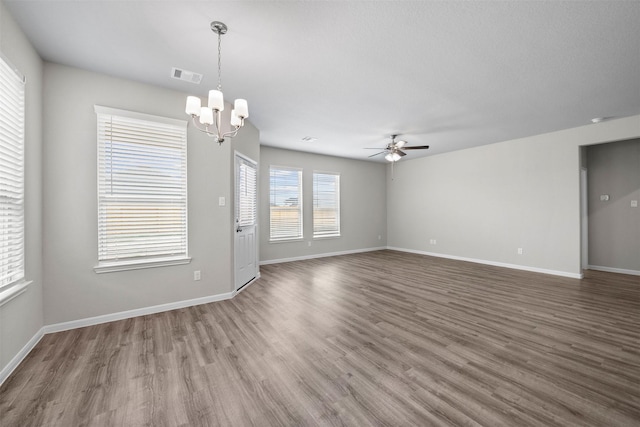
(374, 339)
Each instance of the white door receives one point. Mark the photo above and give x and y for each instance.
(245, 242)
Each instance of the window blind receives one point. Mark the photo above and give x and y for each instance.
(12, 104)
(246, 194)
(326, 204)
(142, 187)
(285, 194)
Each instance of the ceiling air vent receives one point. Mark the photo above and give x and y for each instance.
(187, 76)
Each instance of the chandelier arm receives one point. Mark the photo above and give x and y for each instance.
(232, 133)
(206, 130)
(198, 127)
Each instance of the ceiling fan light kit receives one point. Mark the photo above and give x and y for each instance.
(212, 113)
(393, 157)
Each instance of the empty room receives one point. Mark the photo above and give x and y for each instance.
(319, 213)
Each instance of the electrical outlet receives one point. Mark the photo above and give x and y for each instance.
(309, 242)
(519, 251)
(196, 275)
(432, 241)
(634, 203)
(379, 237)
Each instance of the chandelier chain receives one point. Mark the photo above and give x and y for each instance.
(219, 62)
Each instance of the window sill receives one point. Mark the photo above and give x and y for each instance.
(333, 236)
(296, 239)
(137, 265)
(13, 291)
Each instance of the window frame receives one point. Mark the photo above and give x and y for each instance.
(338, 232)
(106, 261)
(12, 169)
(299, 236)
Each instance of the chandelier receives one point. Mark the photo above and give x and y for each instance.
(210, 115)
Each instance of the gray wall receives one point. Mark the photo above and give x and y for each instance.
(21, 318)
(73, 290)
(363, 205)
(614, 226)
(484, 203)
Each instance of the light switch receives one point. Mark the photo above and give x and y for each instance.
(634, 203)
(221, 201)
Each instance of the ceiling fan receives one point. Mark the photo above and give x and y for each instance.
(394, 149)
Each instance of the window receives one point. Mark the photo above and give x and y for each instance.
(11, 176)
(326, 204)
(285, 198)
(142, 190)
(246, 193)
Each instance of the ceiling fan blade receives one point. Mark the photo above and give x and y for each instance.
(372, 148)
(418, 147)
(402, 153)
(401, 143)
(373, 155)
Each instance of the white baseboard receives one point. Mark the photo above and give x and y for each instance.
(89, 321)
(326, 254)
(493, 263)
(13, 364)
(614, 270)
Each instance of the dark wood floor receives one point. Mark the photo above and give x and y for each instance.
(381, 338)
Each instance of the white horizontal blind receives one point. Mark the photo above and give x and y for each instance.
(326, 204)
(246, 193)
(285, 194)
(11, 175)
(142, 187)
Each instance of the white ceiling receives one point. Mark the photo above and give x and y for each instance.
(450, 74)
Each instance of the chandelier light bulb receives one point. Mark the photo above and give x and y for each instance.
(216, 100)
(193, 105)
(242, 108)
(235, 120)
(206, 116)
